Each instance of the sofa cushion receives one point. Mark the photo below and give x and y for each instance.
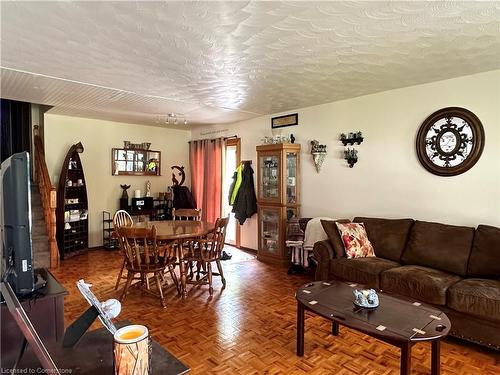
(332, 232)
(484, 257)
(479, 297)
(422, 283)
(361, 270)
(440, 246)
(355, 240)
(388, 236)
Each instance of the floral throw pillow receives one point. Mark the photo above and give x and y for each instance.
(355, 240)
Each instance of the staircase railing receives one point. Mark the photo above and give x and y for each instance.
(48, 196)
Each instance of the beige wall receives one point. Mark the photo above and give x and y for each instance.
(388, 180)
(99, 137)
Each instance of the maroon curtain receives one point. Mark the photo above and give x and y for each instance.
(205, 159)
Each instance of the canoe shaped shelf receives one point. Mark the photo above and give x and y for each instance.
(72, 206)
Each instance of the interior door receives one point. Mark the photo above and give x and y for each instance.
(231, 160)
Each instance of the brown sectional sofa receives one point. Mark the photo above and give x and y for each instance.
(454, 268)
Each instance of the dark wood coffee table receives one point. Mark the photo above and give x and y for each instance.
(398, 321)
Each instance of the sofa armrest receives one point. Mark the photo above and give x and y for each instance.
(323, 252)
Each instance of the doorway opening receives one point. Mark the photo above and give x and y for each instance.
(231, 160)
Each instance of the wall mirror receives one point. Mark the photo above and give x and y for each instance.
(135, 162)
(450, 141)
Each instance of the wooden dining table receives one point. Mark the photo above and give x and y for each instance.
(178, 231)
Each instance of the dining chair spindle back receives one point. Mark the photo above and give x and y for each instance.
(143, 256)
(121, 219)
(190, 214)
(206, 251)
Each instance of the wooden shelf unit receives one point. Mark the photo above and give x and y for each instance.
(74, 240)
(108, 240)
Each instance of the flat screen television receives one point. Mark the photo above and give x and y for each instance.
(15, 222)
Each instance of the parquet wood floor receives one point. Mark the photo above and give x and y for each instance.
(249, 328)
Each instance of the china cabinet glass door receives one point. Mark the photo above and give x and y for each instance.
(291, 212)
(270, 230)
(270, 178)
(291, 178)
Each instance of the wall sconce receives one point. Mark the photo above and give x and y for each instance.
(351, 138)
(351, 155)
(318, 153)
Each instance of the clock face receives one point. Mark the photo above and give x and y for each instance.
(450, 141)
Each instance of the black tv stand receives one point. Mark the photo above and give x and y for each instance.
(45, 309)
(40, 279)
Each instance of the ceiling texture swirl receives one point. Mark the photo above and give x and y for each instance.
(218, 62)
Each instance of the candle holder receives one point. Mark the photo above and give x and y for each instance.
(351, 138)
(132, 351)
(318, 153)
(351, 156)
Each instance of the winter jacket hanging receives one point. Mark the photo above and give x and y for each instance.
(235, 185)
(245, 204)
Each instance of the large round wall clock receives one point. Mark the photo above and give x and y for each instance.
(450, 141)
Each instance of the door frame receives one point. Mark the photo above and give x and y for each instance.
(236, 142)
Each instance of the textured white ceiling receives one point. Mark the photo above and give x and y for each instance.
(221, 62)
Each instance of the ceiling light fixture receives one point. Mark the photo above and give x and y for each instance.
(171, 118)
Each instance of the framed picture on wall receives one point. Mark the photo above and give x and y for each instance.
(286, 120)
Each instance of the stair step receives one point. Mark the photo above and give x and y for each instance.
(40, 246)
(39, 232)
(38, 223)
(41, 260)
(39, 238)
(40, 243)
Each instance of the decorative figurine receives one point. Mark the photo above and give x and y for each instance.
(124, 193)
(180, 173)
(366, 298)
(292, 138)
(148, 188)
(152, 164)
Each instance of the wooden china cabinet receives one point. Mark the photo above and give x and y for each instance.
(278, 198)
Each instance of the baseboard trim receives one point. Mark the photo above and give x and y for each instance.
(253, 251)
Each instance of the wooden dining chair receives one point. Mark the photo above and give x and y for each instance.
(188, 214)
(191, 214)
(208, 250)
(144, 257)
(121, 219)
